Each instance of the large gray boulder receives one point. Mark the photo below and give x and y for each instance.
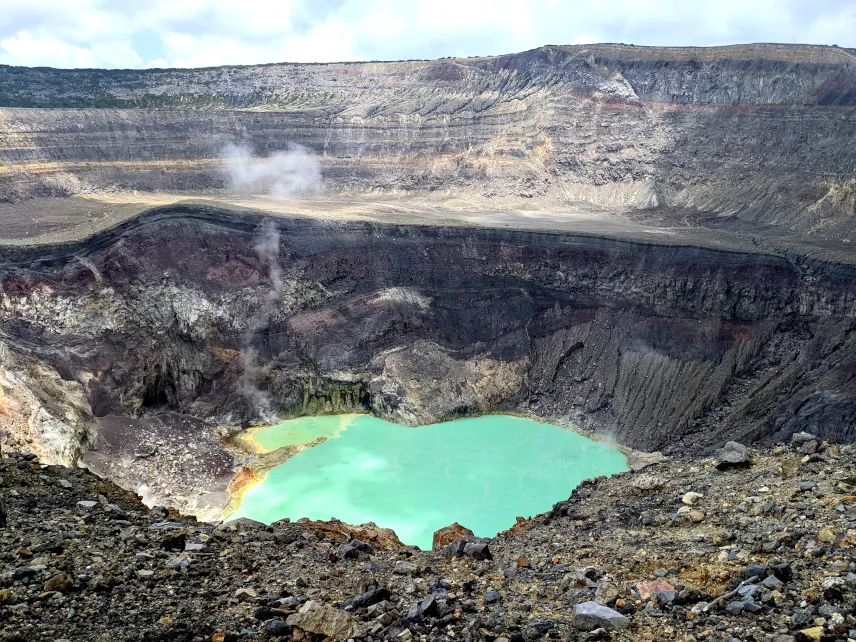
(589, 616)
(799, 438)
(733, 455)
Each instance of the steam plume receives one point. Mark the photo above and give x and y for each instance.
(267, 250)
(258, 399)
(293, 171)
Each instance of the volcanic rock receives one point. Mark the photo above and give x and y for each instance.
(449, 534)
(60, 582)
(733, 455)
(370, 597)
(799, 438)
(276, 627)
(589, 616)
(606, 593)
(478, 551)
(406, 568)
(325, 620)
(691, 498)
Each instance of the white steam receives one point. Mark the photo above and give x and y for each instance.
(258, 399)
(282, 174)
(147, 495)
(267, 249)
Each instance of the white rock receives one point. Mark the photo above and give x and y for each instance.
(691, 498)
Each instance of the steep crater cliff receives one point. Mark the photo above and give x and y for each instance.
(659, 346)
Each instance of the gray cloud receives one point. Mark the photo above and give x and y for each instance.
(107, 33)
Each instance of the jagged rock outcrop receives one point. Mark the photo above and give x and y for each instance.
(40, 411)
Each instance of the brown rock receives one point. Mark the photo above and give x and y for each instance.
(61, 582)
(324, 620)
(380, 538)
(448, 535)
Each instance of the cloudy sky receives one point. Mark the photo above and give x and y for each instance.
(182, 33)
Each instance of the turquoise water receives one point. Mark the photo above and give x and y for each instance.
(481, 472)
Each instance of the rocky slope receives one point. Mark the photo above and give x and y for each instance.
(744, 136)
(681, 551)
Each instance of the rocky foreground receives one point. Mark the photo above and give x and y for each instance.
(755, 545)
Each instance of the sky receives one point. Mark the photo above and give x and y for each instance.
(197, 33)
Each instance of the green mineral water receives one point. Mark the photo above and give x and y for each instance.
(480, 472)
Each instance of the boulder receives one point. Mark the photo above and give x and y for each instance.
(464, 548)
(799, 438)
(733, 455)
(243, 524)
(324, 620)
(491, 597)
(814, 633)
(783, 571)
(159, 512)
(276, 628)
(607, 593)
(756, 570)
(809, 447)
(449, 534)
(427, 607)
(405, 568)
(372, 596)
(355, 549)
(691, 498)
(589, 616)
(61, 582)
(478, 551)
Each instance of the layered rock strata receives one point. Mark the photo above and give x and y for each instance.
(745, 136)
(659, 346)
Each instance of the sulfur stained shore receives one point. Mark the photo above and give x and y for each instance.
(83, 560)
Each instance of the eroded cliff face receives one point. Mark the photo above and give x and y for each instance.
(660, 346)
(744, 136)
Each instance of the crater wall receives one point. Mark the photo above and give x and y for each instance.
(659, 346)
(755, 135)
